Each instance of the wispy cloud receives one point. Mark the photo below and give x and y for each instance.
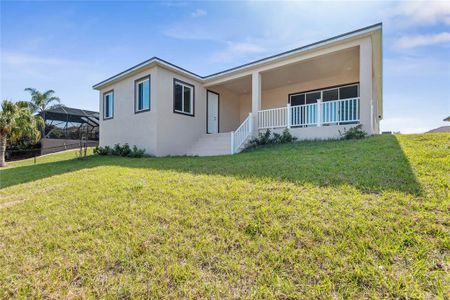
(236, 50)
(424, 12)
(198, 13)
(411, 41)
(183, 32)
(406, 66)
(22, 59)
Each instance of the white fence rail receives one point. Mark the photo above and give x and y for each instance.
(315, 114)
(303, 115)
(240, 135)
(339, 111)
(272, 118)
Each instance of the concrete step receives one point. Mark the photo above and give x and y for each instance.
(212, 144)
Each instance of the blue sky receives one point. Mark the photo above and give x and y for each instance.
(69, 46)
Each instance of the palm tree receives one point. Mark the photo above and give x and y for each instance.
(42, 101)
(17, 121)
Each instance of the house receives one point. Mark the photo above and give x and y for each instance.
(440, 129)
(315, 91)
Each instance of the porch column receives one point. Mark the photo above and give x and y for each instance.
(365, 85)
(256, 98)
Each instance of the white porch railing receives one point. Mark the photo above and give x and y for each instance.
(272, 118)
(315, 114)
(240, 135)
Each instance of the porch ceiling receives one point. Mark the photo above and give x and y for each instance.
(330, 65)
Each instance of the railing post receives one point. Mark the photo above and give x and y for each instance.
(250, 119)
(338, 111)
(232, 142)
(319, 112)
(288, 117)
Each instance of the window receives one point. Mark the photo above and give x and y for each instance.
(108, 105)
(298, 99)
(312, 97)
(183, 98)
(341, 92)
(330, 95)
(350, 91)
(142, 94)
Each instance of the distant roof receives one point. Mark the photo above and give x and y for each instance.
(159, 61)
(73, 111)
(70, 114)
(440, 129)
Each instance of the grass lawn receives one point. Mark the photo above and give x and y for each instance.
(334, 219)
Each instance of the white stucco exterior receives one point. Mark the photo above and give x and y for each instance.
(354, 58)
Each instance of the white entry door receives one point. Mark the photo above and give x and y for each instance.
(213, 112)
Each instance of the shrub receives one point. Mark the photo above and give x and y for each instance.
(276, 138)
(265, 138)
(136, 152)
(126, 150)
(119, 150)
(354, 133)
(103, 150)
(286, 137)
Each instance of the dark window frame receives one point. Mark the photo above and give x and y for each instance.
(104, 104)
(136, 82)
(175, 81)
(323, 89)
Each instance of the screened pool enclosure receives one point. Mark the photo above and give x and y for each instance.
(71, 123)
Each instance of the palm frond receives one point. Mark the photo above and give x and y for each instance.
(31, 90)
(33, 107)
(48, 94)
(17, 121)
(23, 104)
(52, 99)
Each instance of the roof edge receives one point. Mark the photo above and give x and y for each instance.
(299, 49)
(163, 62)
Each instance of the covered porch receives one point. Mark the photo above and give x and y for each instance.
(314, 95)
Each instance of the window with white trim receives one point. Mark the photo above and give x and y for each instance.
(108, 105)
(183, 98)
(142, 94)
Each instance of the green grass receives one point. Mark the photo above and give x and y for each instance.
(335, 219)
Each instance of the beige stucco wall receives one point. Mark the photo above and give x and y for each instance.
(317, 133)
(278, 97)
(177, 132)
(364, 75)
(229, 109)
(159, 131)
(126, 126)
